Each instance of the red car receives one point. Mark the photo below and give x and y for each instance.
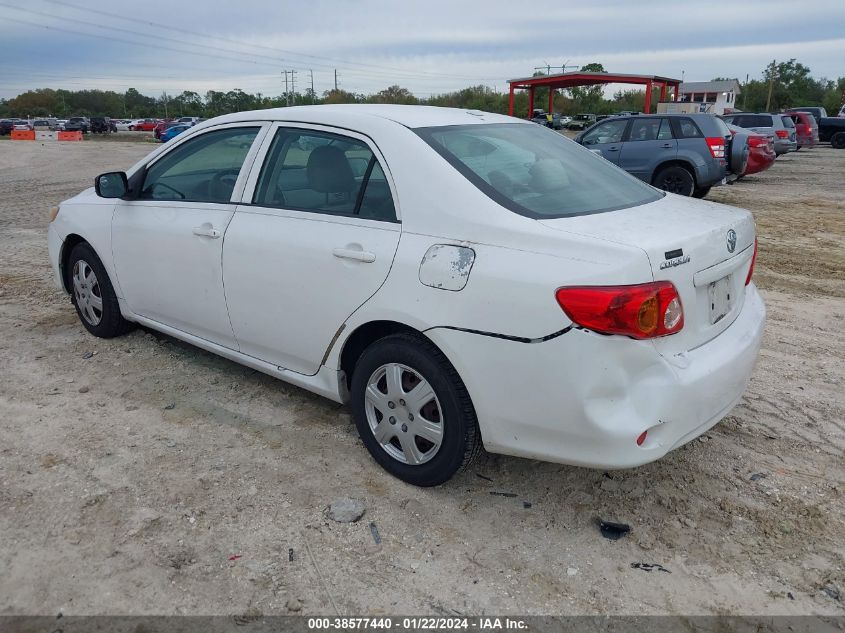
(761, 151)
(144, 125)
(806, 129)
(762, 154)
(161, 126)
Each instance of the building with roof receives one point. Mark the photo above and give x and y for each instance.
(714, 97)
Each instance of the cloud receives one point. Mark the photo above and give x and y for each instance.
(429, 47)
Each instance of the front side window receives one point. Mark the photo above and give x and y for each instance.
(535, 172)
(203, 169)
(309, 170)
(610, 132)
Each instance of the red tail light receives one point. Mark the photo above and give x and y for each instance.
(782, 133)
(753, 261)
(757, 141)
(641, 311)
(717, 146)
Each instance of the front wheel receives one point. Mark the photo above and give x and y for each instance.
(675, 179)
(838, 140)
(412, 410)
(93, 295)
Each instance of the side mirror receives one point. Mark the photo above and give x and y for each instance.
(111, 185)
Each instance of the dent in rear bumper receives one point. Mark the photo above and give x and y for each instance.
(583, 398)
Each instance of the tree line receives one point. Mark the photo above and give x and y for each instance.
(781, 85)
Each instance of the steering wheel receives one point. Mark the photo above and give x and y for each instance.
(222, 184)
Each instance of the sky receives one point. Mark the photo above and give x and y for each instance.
(429, 47)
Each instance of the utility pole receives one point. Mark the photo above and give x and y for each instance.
(335, 79)
(312, 85)
(293, 85)
(771, 84)
(287, 94)
(745, 90)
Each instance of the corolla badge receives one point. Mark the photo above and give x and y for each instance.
(731, 241)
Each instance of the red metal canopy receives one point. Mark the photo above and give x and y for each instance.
(571, 80)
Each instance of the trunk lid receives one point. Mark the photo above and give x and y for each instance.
(688, 242)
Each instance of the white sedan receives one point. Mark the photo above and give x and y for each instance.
(460, 278)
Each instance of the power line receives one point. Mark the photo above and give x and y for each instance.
(331, 61)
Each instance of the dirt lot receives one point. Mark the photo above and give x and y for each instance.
(131, 480)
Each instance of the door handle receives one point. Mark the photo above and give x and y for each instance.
(207, 231)
(359, 256)
(612, 149)
(666, 146)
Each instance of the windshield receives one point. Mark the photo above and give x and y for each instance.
(536, 172)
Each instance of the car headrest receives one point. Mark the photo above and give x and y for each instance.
(328, 170)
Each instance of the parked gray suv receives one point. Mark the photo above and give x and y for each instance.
(763, 123)
(685, 154)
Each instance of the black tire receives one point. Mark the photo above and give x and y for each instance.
(837, 141)
(675, 179)
(461, 441)
(700, 192)
(111, 322)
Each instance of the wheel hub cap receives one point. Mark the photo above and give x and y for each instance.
(86, 292)
(411, 431)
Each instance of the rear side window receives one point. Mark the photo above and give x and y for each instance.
(309, 170)
(688, 129)
(723, 128)
(643, 129)
(535, 172)
(787, 121)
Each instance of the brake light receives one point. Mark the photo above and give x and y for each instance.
(642, 311)
(757, 141)
(782, 133)
(753, 261)
(717, 146)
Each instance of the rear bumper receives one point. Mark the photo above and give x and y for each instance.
(582, 398)
(783, 146)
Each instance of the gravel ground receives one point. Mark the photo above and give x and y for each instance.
(140, 475)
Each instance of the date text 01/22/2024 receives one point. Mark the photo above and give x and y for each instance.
(418, 623)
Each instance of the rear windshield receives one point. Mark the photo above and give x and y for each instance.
(752, 120)
(536, 172)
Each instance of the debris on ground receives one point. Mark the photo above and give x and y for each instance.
(832, 591)
(345, 510)
(83, 389)
(503, 494)
(170, 406)
(290, 554)
(484, 477)
(235, 557)
(571, 571)
(526, 504)
(293, 605)
(650, 567)
(757, 476)
(613, 531)
(376, 535)
(87, 355)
